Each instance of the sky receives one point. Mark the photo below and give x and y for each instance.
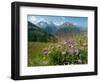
(58, 20)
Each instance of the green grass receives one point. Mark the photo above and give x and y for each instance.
(37, 58)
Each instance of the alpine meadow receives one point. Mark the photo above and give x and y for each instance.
(57, 40)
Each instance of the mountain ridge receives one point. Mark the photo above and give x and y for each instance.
(44, 31)
(37, 34)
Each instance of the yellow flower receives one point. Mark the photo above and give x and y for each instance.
(44, 58)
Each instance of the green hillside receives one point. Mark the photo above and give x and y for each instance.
(37, 34)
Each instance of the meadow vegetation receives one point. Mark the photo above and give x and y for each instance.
(67, 50)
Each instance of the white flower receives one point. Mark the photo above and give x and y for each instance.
(49, 52)
(63, 53)
(76, 51)
(79, 61)
(65, 43)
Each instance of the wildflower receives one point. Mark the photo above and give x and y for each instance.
(58, 46)
(44, 58)
(49, 52)
(70, 45)
(79, 61)
(52, 46)
(84, 44)
(76, 52)
(82, 47)
(65, 42)
(63, 53)
(46, 52)
(71, 51)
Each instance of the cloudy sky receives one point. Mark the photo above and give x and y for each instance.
(81, 21)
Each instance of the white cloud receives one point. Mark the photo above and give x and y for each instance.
(63, 18)
(32, 19)
(35, 20)
(58, 23)
(41, 19)
(76, 24)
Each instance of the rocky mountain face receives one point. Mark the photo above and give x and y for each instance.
(43, 31)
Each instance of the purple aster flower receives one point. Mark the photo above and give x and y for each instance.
(46, 52)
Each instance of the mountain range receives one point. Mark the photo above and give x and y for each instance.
(35, 33)
(52, 28)
(49, 27)
(44, 31)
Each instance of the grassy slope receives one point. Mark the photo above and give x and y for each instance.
(36, 57)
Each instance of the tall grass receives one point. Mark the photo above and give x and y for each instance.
(69, 50)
